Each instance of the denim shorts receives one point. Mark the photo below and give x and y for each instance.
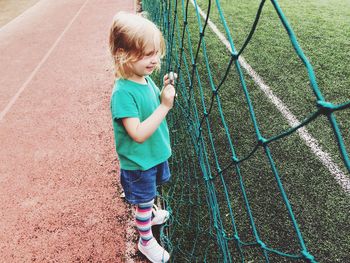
(141, 186)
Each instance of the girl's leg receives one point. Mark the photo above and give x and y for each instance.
(148, 245)
(143, 221)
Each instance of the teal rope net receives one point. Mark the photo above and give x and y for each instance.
(219, 191)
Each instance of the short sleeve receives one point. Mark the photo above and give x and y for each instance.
(123, 105)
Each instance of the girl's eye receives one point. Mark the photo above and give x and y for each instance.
(151, 53)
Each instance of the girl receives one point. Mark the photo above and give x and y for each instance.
(140, 129)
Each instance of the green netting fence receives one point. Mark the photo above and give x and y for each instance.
(230, 204)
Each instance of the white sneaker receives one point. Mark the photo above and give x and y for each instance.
(159, 216)
(154, 252)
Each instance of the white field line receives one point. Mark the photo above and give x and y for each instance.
(310, 141)
(29, 79)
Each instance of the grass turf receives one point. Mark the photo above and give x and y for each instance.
(321, 208)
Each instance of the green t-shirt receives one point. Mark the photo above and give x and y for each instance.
(131, 99)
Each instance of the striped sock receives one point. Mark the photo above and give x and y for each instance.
(143, 221)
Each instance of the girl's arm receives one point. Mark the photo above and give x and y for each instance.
(141, 131)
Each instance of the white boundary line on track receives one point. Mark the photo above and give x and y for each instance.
(29, 79)
(310, 141)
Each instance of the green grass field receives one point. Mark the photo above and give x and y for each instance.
(320, 205)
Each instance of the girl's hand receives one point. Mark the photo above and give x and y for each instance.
(167, 96)
(169, 79)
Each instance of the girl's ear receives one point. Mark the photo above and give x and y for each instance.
(120, 50)
(119, 54)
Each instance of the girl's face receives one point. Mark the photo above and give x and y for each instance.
(146, 65)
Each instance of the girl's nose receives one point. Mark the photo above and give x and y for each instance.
(154, 59)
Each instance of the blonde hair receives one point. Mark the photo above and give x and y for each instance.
(129, 36)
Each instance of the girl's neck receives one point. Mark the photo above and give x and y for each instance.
(138, 79)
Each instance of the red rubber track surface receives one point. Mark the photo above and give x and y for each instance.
(59, 181)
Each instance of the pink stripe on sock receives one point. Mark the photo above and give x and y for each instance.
(141, 223)
(146, 232)
(143, 212)
(148, 210)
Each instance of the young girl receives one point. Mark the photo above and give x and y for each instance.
(140, 129)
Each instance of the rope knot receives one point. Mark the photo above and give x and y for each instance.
(235, 160)
(223, 234)
(208, 177)
(262, 244)
(325, 107)
(234, 56)
(262, 141)
(308, 256)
